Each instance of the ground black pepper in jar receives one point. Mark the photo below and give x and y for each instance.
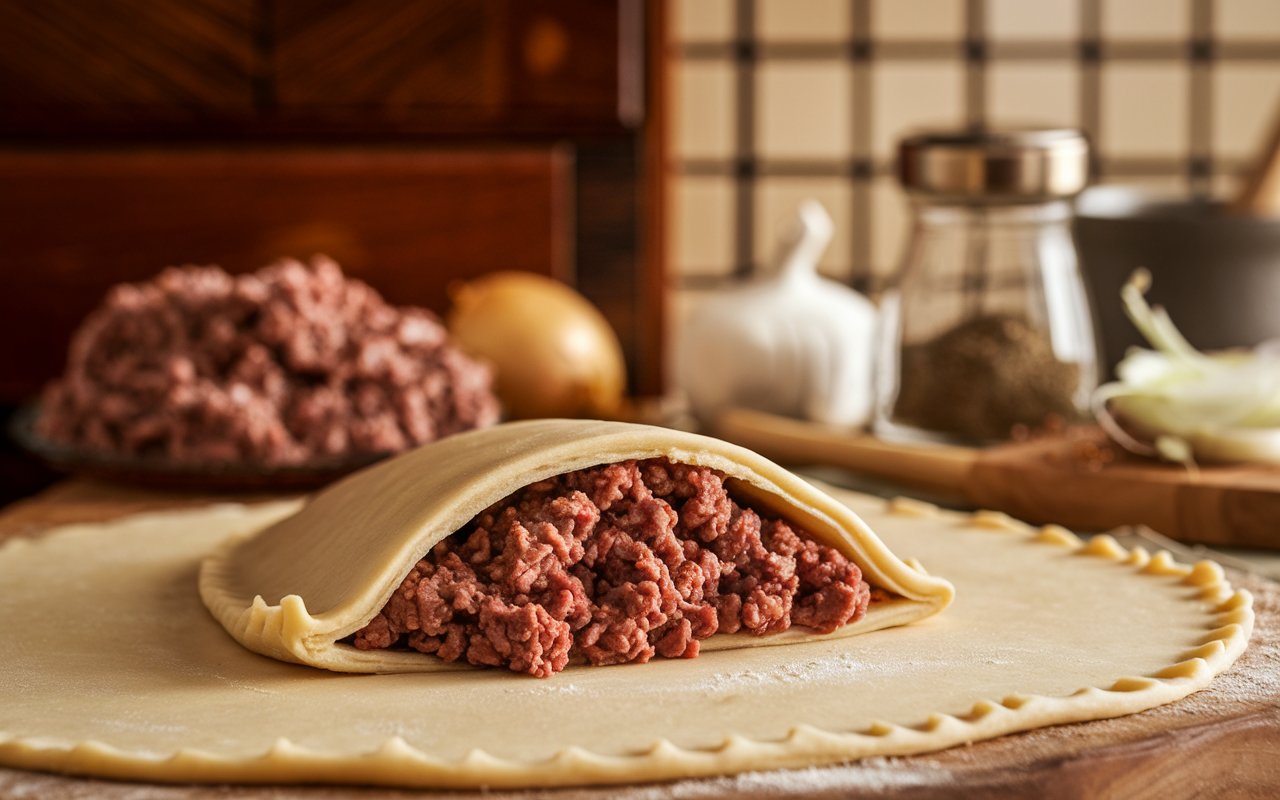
(987, 328)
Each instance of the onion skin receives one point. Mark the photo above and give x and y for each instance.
(553, 352)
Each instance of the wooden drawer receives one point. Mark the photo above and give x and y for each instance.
(319, 69)
(458, 64)
(65, 60)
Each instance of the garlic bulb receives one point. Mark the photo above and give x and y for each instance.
(791, 343)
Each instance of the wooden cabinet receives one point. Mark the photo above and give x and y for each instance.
(454, 65)
(419, 143)
(68, 64)
(316, 68)
(407, 221)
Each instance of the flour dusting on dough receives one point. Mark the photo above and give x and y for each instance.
(459, 729)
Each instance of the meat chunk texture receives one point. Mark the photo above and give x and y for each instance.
(286, 365)
(614, 564)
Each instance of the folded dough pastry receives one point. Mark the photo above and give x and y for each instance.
(299, 590)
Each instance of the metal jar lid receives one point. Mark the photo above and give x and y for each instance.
(979, 165)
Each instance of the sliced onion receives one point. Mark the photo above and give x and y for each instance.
(1184, 403)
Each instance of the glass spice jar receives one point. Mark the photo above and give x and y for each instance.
(986, 329)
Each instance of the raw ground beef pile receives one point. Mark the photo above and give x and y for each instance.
(282, 366)
(614, 564)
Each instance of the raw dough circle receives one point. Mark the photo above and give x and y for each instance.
(114, 668)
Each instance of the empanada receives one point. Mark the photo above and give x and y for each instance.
(302, 588)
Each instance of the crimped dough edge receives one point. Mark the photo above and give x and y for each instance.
(396, 763)
(478, 469)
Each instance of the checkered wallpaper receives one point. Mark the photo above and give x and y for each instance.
(777, 100)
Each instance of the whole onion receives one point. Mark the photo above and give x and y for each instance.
(553, 352)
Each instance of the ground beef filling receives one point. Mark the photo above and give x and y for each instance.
(290, 365)
(614, 563)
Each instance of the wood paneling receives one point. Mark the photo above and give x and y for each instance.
(70, 59)
(407, 222)
(330, 69)
(442, 56)
(457, 65)
(559, 61)
(163, 113)
(607, 209)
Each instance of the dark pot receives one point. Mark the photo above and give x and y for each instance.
(1217, 274)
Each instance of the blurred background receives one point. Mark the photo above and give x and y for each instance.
(647, 154)
(776, 100)
(419, 144)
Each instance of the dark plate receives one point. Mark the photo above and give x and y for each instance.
(165, 474)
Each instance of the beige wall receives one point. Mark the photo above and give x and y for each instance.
(776, 100)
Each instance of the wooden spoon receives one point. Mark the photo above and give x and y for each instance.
(1260, 196)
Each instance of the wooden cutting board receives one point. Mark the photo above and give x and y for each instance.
(1223, 741)
(1042, 481)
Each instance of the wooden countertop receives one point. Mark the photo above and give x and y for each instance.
(1224, 740)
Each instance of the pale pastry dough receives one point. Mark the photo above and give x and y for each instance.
(111, 666)
(296, 589)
